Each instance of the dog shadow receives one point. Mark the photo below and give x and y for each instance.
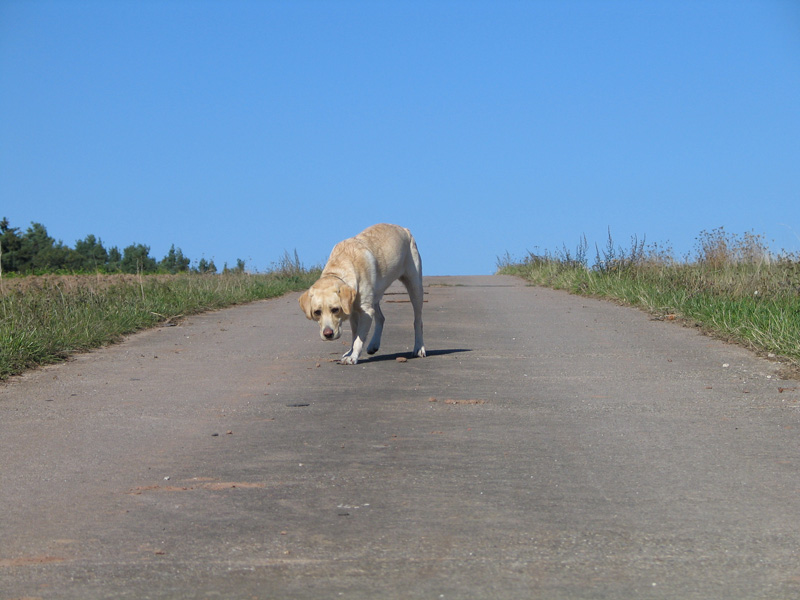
(410, 356)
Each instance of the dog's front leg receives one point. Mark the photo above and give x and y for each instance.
(360, 331)
(354, 329)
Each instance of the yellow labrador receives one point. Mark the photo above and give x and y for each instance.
(353, 282)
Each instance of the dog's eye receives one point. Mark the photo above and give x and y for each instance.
(335, 310)
(318, 313)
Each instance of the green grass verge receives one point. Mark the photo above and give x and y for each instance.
(733, 288)
(45, 319)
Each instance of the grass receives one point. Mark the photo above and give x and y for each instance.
(731, 285)
(45, 319)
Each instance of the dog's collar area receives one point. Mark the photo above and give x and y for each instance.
(335, 277)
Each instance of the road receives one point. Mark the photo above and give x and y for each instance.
(549, 446)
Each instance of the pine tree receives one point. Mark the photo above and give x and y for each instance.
(92, 254)
(10, 243)
(174, 261)
(114, 262)
(136, 259)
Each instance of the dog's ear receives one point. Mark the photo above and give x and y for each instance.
(305, 304)
(348, 296)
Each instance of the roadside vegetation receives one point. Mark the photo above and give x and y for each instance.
(731, 286)
(45, 318)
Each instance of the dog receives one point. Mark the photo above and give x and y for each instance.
(358, 272)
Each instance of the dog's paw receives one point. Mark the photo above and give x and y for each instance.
(420, 352)
(348, 359)
(373, 349)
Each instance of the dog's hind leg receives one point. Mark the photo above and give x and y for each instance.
(415, 293)
(412, 279)
(375, 342)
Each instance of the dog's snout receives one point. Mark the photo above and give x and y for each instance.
(328, 333)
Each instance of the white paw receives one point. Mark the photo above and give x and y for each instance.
(348, 359)
(421, 352)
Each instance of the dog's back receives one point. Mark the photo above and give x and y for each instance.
(383, 253)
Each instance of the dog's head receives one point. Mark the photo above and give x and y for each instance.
(329, 302)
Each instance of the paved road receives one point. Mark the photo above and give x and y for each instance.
(575, 449)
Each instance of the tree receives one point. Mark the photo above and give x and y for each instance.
(114, 261)
(36, 251)
(136, 259)
(204, 266)
(174, 261)
(10, 243)
(56, 257)
(33, 249)
(238, 269)
(91, 253)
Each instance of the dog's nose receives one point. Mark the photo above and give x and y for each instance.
(328, 333)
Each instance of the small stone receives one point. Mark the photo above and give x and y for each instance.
(401, 359)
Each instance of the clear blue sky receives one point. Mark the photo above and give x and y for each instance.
(243, 129)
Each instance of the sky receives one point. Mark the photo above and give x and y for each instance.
(247, 129)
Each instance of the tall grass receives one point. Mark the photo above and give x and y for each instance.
(45, 319)
(731, 285)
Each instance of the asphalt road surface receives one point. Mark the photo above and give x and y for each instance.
(549, 446)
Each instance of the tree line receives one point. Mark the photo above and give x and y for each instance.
(36, 252)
